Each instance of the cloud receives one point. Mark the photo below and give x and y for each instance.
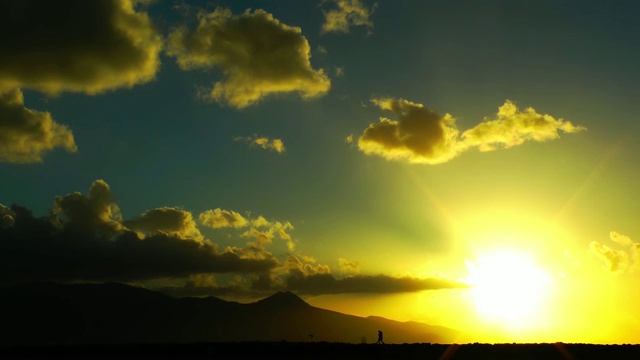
(171, 221)
(7, 217)
(35, 249)
(203, 285)
(25, 134)
(420, 135)
(85, 239)
(513, 127)
(306, 277)
(348, 13)
(76, 45)
(347, 266)
(381, 284)
(263, 142)
(259, 222)
(624, 259)
(219, 218)
(94, 214)
(258, 55)
(264, 238)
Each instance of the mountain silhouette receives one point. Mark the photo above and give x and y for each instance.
(113, 313)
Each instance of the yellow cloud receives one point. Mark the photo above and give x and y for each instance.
(103, 45)
(303, 266)
(347, 266)
(259, 222)
(171, 221)
(25, 134)
(220, 218)
(513, 127)
(625, 258)
(258, 55)
(420, 135)
(263, 142)
(264, 238)
(348, 13)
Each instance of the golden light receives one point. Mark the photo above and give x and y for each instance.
(508, 287)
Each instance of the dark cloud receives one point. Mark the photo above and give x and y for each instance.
(76, 45)
(25, 134)
(316, 284)
(84, 239)
(304, 276)
(258, 55)
(250, 287)
(328, 284)
(95, 213)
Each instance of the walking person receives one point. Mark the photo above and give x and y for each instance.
(380, 337)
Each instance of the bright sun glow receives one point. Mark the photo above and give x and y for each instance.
(508, 287)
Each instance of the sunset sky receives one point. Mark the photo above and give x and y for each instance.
(470, 164)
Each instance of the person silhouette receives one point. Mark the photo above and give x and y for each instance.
(380, 337)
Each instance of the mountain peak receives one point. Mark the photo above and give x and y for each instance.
(284, 299)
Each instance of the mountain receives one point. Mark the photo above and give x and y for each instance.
(112, 313)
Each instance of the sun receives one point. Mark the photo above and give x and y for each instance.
(508, 287)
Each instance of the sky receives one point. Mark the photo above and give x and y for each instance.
(469, 164)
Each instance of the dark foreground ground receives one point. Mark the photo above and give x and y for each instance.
(322, 350)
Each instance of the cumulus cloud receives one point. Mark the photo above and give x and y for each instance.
(513, 127)
(85, 239)
(172, 221)
(347, 266)
(25, 134)
(420, 135)
(263, 142)
(624, 258)
(7, 217)
(258, 55)
(95, 213)
(259, 222)
(103, 45)
(220, 218)
(35, 249)
(346, 14)
(265, 237)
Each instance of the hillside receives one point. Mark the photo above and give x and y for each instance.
(112, 313)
